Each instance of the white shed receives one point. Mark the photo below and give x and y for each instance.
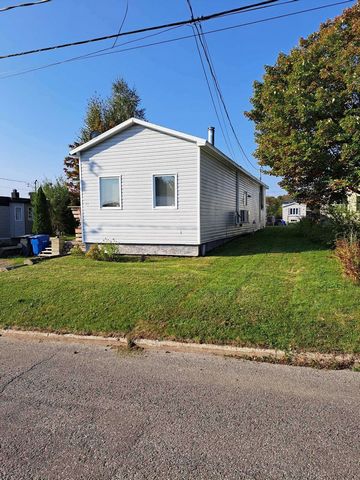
(153, 190)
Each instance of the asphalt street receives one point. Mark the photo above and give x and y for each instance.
(70, 411)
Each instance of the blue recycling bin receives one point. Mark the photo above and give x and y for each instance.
(39, 243)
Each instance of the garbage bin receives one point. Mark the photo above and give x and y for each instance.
(39, 243)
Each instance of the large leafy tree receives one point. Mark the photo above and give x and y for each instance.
(307, 113)
(101, 115)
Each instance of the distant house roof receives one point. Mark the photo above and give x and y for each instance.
(200, 142)
(5, 201)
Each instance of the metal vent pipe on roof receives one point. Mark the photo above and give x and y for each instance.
(211, 135)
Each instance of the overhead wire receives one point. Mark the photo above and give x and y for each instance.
(122, 23)
(212, 70)
(110, 51)
(20, 5)
(203, 18)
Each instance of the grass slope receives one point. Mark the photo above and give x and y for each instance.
(271, 289)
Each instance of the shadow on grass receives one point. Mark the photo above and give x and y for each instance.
(270, 240)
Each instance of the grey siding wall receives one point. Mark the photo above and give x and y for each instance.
(5, 221)
(221, 190)
(136, 155)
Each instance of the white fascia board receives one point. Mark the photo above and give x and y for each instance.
(129, 123)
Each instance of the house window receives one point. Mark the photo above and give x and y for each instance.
(109, 192)
(244, 216)
(245, 198)
(18, 214)
(165, 191)
(30, 214)
(294, 211)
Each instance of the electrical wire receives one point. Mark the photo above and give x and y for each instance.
(203, 18)
(210, 63)
(28, 4)
(12, 180)
(105, 51)
(122, 23)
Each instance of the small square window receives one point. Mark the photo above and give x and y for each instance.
(109, 192)
(164, 191)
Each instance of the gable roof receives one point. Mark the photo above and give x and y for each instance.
(200, 142)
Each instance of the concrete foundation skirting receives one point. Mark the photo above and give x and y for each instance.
(169, 250)
(315, 359)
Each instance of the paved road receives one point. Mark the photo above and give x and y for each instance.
(101, 414)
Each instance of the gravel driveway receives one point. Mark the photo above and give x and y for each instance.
(86, 412)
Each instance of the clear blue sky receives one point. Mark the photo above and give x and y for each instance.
(41, 112)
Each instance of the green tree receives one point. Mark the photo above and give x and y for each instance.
(101, 115)
(307, 113)
(59, 199)
(41, 213)
(274, 205)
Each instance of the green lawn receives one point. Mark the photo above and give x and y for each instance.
(271, 289)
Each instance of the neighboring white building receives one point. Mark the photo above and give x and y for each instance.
(293, 212)
(153, 190)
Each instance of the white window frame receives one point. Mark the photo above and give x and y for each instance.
(30, 217)
(21, 214)
(119, 177)
(164, 207)
(245, 198)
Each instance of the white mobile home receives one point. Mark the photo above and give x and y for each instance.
(153, 190)
(293, 212)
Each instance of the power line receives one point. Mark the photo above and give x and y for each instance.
(225, 135)
(122, 23)
(203, 18)
(12, 180)
(216, 83)
(28, 4)
(98, 53)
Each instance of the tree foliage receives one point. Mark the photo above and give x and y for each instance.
(307, 113)
(101, 115)
(274, 205)
(41, 213)
(59, 198)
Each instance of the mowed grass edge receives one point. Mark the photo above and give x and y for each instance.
(271, 289)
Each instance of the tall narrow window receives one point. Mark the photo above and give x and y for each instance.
(109, 192)
(30, 214)
(164, 191)
(18, 214)
(245, 198)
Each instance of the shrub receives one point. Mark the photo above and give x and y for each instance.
(109, 252)
(319, 231)
(345, 223)
(77, 251)
(94, 252)
(348, 252)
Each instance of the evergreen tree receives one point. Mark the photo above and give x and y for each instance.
(101, 115)
(41, 214)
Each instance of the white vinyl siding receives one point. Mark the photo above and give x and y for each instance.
(136, 155)
(222, 194)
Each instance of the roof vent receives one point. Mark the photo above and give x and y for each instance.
(211, 135)
(15, 194)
